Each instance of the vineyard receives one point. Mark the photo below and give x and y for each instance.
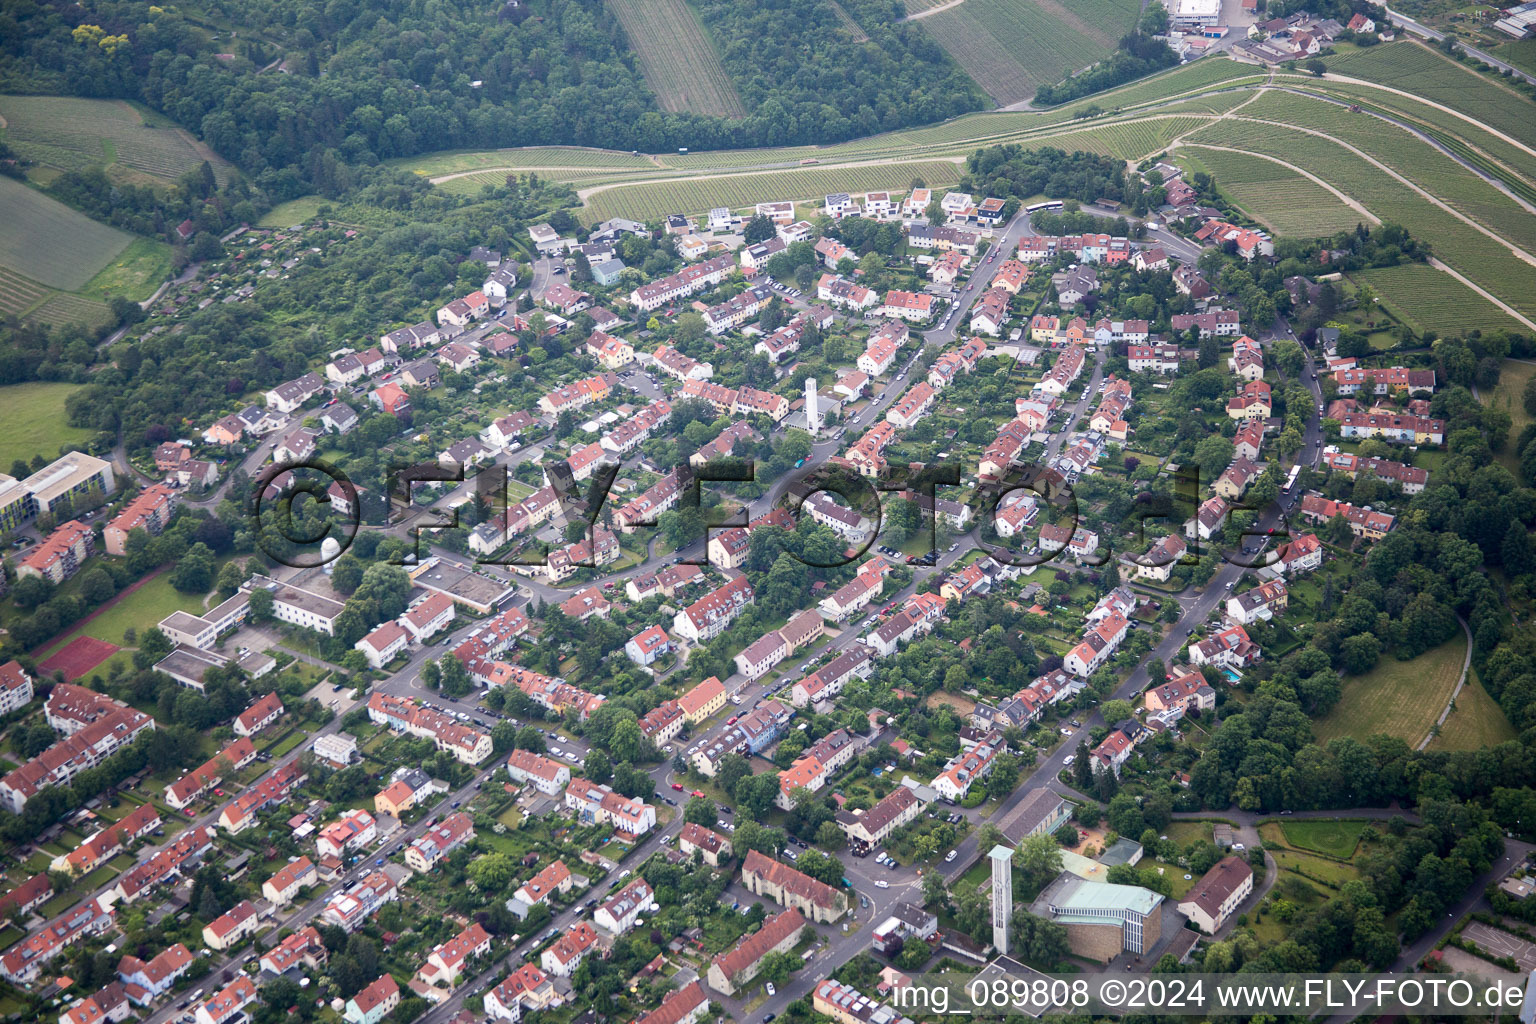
(677, 58)
(17, 294)
(50, 243)
(1431, 300)
(63, 309)
(651, 201)
(1289, 204)
(1011, 47)
(74, 134)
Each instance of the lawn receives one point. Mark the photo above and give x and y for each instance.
(294, 211)
(1185, 832)
(1311, 866)
(1476, 722)
(1332, 838)
(1513, 375)
(32, 422)
(142, 609)
(1397, 698)
(51, 243)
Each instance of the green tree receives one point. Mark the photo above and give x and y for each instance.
(701, 811)
(194, 571)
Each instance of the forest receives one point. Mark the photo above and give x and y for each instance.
(314, 94)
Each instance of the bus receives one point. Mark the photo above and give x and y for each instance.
(1290, 481)
(1036, 208)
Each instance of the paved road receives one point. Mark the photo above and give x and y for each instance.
(1403, 21)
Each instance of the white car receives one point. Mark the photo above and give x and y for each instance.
(769, 987)
(949, 856)
(881, 883)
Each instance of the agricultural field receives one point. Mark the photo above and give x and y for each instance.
(650, 201)
(1011, 47)
(1277, 196)
(1396, 698)
(1432, 300)
(71, 134)
(32, 422)
(18, 294)
(63, 308)
(51, 243)
(1521, 53)
(676, 57)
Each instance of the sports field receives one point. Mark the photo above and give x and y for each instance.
(1396, 698)
(676, 57)
(1332, 837)
(50, 243)
(72, 134)
(32, 422)
(1012, 47)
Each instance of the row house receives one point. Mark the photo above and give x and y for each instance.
(963, 770)
(360, 901)
(114, 729)
(811, 770)
(445, 964)
(1060, 377)
(847, 523)
(579, 395)
(146, 981)
(724, 445)
(674, 364)
(621, 911)
(688, 281)
(108, 842)
(881, 347)
(854, 595)
(1162, 359)
(789, 887)
(1247, 359)
(1097, 646)
(1249, 439)
(1131, 332)
(22, 963)
(709, 616)
(687, 1005)
(553, 878)
(597, 804)
(1158, 562)
(554, 695)
(431, 847)
(763, 654)
(1080, 542)
(868, 829)
(1112, 406)
(1251, 402)
(943, 239)
(736, 311)
(354, 366)
(947, 268)
(1002, 454)
(663, 723)
(291, 395)
(569, 950)
(629, 435)
(466, 744)
(867, 454)
(1363, 522)
(818, 690)
(844, 294)
(753, 733)
(735, 968)
(950, 365)
(1260, 604)
(240, 813)
(460, 312)
(1392, 427)
(660, 497)
(1411, 479)
(1221, 323)
(914, 307)
(199, 781)
(702, 700)
(785, 341)
(232, 927)
(1394, 380)
(1247, 242)
(528, 988)
(404, 339)
(1236, 478)
(303, 948)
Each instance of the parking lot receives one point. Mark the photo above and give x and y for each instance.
(1493, 941)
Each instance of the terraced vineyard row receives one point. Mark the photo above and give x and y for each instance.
(17, 293)
(72, 134)
(1418, 69)
(676, 57)
(63, 308)
(1289, 204)
(1435, 301)
(1478, 257)
(1128, 141)
(1410, 156)
(471, 184)
(650, 201)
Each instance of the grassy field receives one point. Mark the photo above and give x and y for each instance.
(135, 274)
(1476, 722)
(32, 422)
(295, 211)
(50, 243)
(677, 58)
(142, 609)
(1522, 54)
(1289, 204)
(1330, 837)
(1396, 698)
(72, 134)
(1508, 396)
(1432, 300)
(1012, 47)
